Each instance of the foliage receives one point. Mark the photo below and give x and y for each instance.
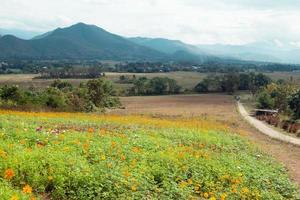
(155, 86)
(131, 157)
(233, 81)
(62, 96)
(265, 101)
(281, 96)
(294, 104)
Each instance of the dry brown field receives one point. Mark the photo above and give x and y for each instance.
(185, 79)
(188, 80)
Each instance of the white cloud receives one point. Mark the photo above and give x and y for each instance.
(193, 21)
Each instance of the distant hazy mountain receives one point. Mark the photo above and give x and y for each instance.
(19, 33)
(79, 41)
(260, 51)
(82, 41)
(165, 45)
(177, 50)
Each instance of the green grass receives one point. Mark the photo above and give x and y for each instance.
(77, 156)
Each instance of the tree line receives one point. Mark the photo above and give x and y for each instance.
(94, 95)
(154, 86)
(231, 82)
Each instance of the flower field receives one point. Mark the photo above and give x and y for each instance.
(87, 156)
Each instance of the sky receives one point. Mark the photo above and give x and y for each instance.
(192, 21)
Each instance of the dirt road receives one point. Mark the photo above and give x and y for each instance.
(263, 128)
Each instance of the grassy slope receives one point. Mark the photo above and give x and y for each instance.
(77, 156)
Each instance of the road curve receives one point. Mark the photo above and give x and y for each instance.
(263, 128)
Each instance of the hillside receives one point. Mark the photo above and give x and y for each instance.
(79, 41)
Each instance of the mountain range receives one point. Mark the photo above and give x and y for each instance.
(82, 41)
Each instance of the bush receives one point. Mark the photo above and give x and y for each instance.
(10, 93)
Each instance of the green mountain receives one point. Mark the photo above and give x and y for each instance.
(79, 41)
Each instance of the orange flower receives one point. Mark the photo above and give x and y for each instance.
(123, 157)
(9, 174)
(27, 189)
(113, 144)
(32, 198)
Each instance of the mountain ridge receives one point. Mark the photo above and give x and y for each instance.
(79, 41)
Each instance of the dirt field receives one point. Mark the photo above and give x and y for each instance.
(221, 107)
(185, 79)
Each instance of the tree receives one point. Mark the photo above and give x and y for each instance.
(294, 104)
(100, 93)
(230, 82)
(202, 87)
(258, 81)
(265, 101)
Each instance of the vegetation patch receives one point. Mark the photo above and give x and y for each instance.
(87, 156)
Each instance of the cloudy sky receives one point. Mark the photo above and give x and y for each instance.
(192, 21)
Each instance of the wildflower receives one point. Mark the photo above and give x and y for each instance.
(50, 178)
(223, 196)
(103, 157)
(113, 144)
(15, 197)
(123, 157)
(205, 195)
(91, 130)
(27, 189)
(136, 149)
(3, 154)
(9, 174)
(32, 198)
(245, 190)
(133, 188)
(213, 198)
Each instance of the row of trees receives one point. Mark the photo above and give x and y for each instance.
(94, 95)
(231, 82)
(281, 96)
(155, 86)
(71, 72)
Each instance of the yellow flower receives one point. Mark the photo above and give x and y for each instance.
(223, 196)
(133, 188)
(50, 178)
(27, 189)
(205, 195)
(15, 197)
(213, 198)
(9, 174)
(245, 190)
(103, 157)
(3, 154)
